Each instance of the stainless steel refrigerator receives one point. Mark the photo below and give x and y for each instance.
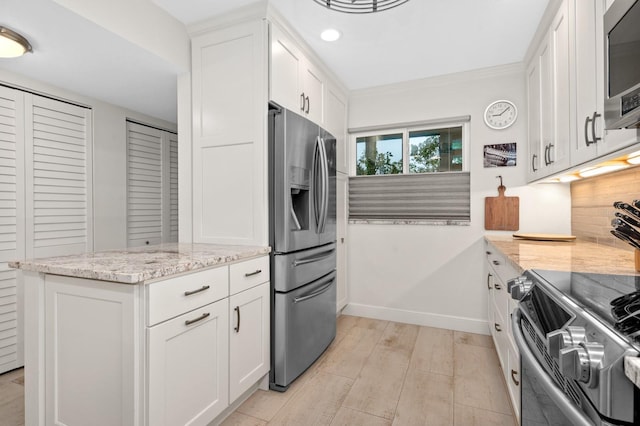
(302, 234)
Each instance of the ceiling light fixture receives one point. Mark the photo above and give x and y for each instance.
(330, 34)
(360, 6)
(12, 44)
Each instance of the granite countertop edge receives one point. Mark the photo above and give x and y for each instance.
(139, 265)
(579, 256)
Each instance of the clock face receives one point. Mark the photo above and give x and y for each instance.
(500, 114)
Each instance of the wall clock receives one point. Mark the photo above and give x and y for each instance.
(500, 114)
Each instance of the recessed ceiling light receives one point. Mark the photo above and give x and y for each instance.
(330, 34)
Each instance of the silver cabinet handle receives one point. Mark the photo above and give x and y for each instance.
(495, 262)
(587, 141)
(200, 318)
(513, 377)
(203, 288)
(550, 148)
(497, 326)
(533, 162)
(302, 101)
(256, 272)
(497, 286)
(488, 281)
(593, 127)
(237, 328)
(308, 104)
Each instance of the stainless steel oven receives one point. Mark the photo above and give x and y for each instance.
(572, 349)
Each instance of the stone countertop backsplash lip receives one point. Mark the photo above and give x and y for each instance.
(140, 264)
(577, 256)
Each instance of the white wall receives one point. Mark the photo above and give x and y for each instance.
(433, 275)
(109, 158)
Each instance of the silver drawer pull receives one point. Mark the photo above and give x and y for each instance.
(200, 318)
(495, 262)
(203, 288)
(497, 327)
(497, 286)
(256, 272)
(237, 328)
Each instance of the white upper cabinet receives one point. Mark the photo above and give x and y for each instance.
(548, 80)
(565, 84)
(591, 139)
(295, 82)
(335, 121)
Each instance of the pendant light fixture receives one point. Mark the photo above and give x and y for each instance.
(360, 6)
(12, 44)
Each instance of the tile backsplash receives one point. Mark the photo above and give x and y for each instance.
(592, 205)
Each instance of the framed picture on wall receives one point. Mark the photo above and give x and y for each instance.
(500, 155)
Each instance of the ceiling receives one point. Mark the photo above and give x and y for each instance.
(419, 39)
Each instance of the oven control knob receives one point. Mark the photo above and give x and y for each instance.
(582, 362)
(518, 287)
(560, 339)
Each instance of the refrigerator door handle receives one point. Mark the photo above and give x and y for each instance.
(316, 176)
(312, 259)
(325, 187)
(315, 293)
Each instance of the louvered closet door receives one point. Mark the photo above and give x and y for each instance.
(144, 185)
(11, 224)
(58, 178)
(173, 187)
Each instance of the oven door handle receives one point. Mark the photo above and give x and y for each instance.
(564, 404)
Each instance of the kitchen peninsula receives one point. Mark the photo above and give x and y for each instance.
(156, 335)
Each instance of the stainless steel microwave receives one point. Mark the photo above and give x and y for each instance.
(622, 64)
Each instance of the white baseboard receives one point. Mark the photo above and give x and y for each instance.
(469, 325)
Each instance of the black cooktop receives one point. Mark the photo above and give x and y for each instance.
(614, 299)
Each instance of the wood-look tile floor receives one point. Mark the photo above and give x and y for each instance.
(12, 398)
(386, 373)
(375, 373)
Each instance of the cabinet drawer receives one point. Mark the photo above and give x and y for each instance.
(175, 296)
(248, 274)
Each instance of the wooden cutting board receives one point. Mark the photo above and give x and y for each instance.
(502, 213)
(545, 237)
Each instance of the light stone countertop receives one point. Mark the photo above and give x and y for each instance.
(577, 256)
(137, 265)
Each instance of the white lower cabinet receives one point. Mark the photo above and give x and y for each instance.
(188, 359)
(176, 351)
(500, 306)
(249, 326)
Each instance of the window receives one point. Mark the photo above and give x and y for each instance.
(421, 150)
(413, 173)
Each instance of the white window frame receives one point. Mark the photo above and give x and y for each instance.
(405, 130)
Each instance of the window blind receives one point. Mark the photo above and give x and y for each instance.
(420, 196)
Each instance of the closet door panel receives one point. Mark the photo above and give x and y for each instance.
(11, 224)
(58, 177)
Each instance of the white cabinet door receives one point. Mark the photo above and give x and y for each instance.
(229, 75)
(589, 78)
(335, 121)
(187, 363)
(534, 136)
(90, 352)
(12, 224)
(249, 323)
(342, 219)
(286, 72)
(295, 82)
(313, 90)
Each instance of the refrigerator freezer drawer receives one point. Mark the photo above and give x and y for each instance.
(293, 270)
(304, 326)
